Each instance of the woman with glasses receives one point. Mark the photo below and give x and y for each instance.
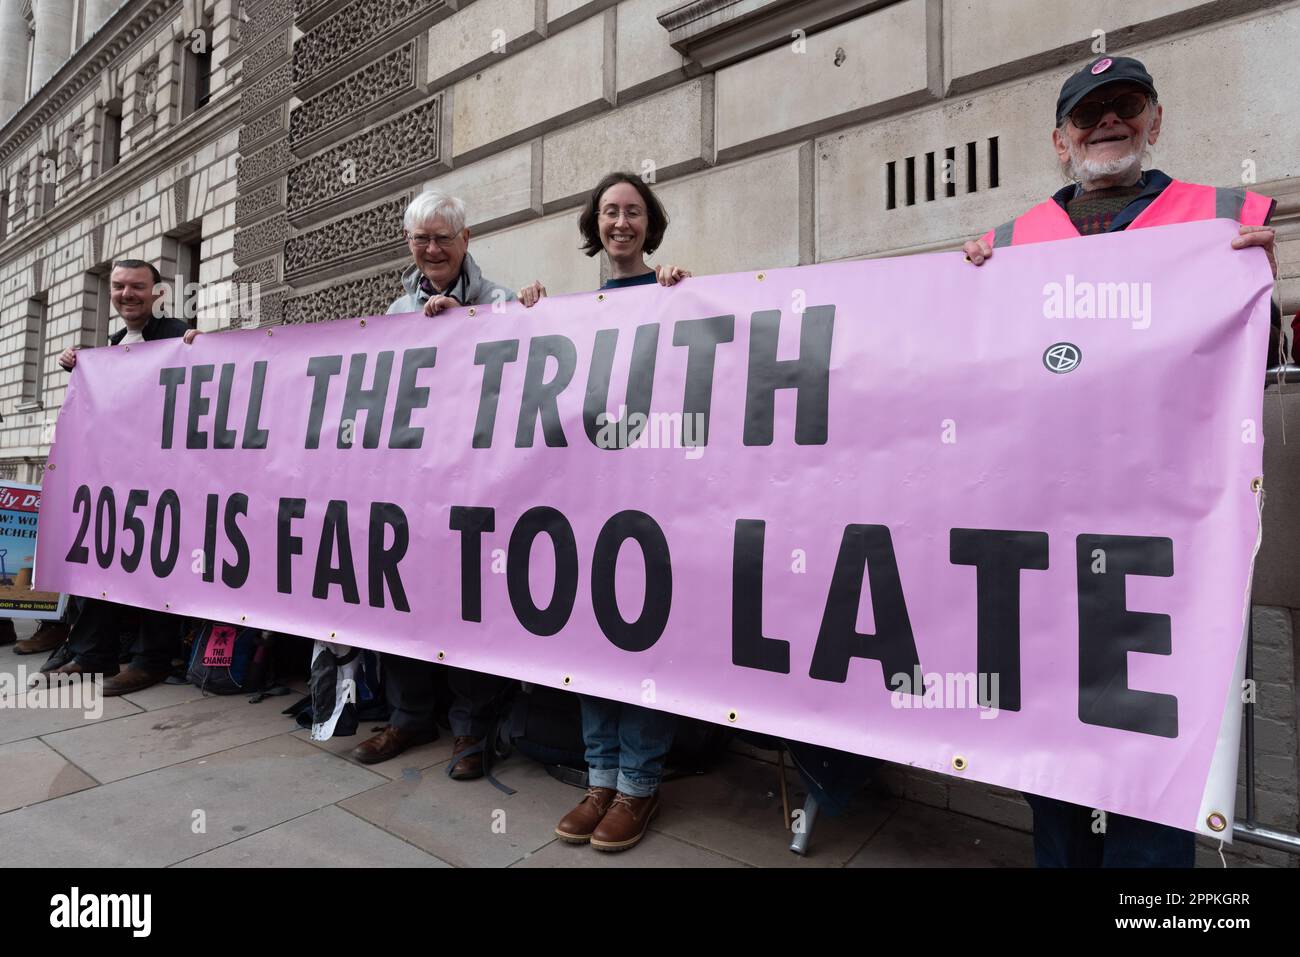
(626, 743)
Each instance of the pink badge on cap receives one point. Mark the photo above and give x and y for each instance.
(1101, 66)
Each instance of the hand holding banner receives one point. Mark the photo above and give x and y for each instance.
(995, 522)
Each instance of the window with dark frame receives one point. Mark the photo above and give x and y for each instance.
(111, 146)
(47, 171)
(181, 265)
(197, 68)
(34, 352)
(96, 307)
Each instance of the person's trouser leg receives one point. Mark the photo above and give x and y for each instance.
(600, 733)
(1131, 842)
(157, 641)
(409, 686)
(644, 736)
(95, 635)
(1063, 834)
(474, 700)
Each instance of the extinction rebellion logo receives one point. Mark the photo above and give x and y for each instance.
(1062, 357)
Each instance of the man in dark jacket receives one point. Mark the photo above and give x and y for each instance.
(443, 275)
(135, 288)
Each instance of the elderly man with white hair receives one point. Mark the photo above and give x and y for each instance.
(443, 275)
(1107, 116)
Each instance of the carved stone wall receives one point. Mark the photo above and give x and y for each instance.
(70, 165)
(383, 79)
(372, 231)
(265, 162)
(180, 198)
(271, 309)
(273, 87)
(362, 297)
(18, 200)
(262, 18)
(266, 125)
(350, 30)
(257, 239)
(253, 204)
(262, 273)
(146, 93)
(403, 145)
(265, 55)
(261, 224)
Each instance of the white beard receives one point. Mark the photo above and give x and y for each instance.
(1086, 171)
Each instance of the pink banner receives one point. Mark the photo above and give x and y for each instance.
(996, 522)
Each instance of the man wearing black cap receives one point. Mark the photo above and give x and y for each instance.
(1106, 117)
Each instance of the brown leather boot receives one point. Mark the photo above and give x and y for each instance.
(43, 679)
(577, 826)
(130, 680)
(49, 636)
(625, 822)
(389, 743)
(469, 767)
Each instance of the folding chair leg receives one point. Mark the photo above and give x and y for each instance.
(785, 793)
(803, 831)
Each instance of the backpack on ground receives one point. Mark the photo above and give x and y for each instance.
(226, 659)
(346, 690)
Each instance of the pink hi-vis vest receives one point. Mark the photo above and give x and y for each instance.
(1179, 203)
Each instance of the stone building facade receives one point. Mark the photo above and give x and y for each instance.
(264, 149)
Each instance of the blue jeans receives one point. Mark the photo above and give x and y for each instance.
(1063, 837)
(626, 745)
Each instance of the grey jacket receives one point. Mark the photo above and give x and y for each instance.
(471, 289)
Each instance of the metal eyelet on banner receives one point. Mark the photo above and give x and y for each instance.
(103, 594)
(1257, 484)
(732, 716)
(761, 276)
(167, 604)
(268, 332)
(1216, 821)
(600, 297)
(243, 618)
(334, 634)
(49, 467)
(567, 680)
(363, 323)
(472, 311)
(958, 763)
(442, 655)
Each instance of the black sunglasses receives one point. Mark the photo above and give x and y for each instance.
(1126, 106)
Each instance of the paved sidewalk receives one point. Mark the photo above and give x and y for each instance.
(170, 777)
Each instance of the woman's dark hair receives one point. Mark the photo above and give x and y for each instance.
(139, 264)
(587, 222)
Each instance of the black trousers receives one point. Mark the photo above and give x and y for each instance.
(95, 637)
(410, 689)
